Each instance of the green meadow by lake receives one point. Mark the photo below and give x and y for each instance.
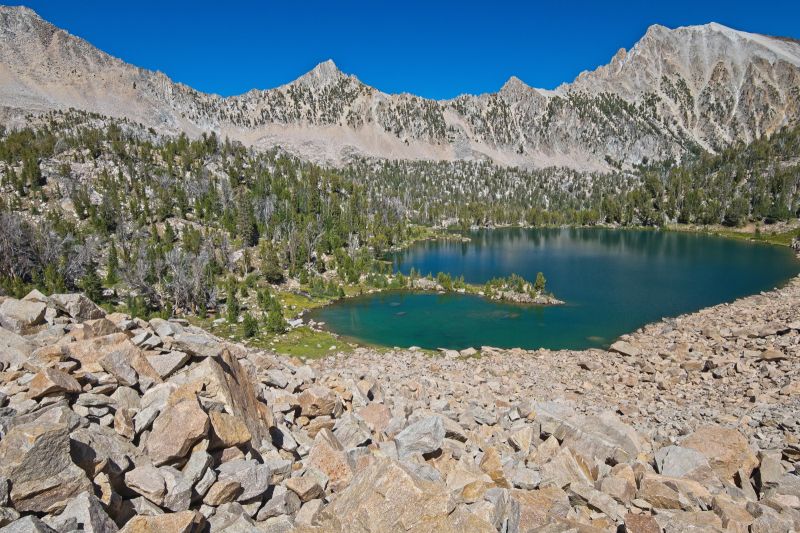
(613, 281)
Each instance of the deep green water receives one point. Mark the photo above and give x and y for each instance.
(613, 281)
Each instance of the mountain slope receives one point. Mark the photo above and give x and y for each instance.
(702, 86)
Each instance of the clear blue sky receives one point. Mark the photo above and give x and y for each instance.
(434, 49)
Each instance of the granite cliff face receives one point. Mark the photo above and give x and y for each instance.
(701, 86)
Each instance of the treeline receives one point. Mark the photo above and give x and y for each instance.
(169, 219)
(166, 223)
(756, 182)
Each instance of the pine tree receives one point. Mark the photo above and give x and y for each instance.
(231, 303)
(91, 284)
(275, 321)
(112, 276)
(250, 326)
(540, 283)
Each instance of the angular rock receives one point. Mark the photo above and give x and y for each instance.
(98, 328)
(253, 477)
(423, 436)
(604, 437)
(14, 349)
(27, 524)
(87, 513)
(317, 401)
(388, 497)
(351, 431)
(376, 415)
(176, 430)
(89, 352)
(625, 348)
(541, 507)
(52, 381)
(227, 430)
(308, 513)
(20, 316)
(227, 382)
(183, 522)
(677, 461)
(306, 488)
(36, 458)
(281, 502)
(726, 450)
(166, 364)
(641, 523)
(328, 456)
(99, 448)
(564, 468)
(197, 344)
(78, 306)
(179, 489)
(148, 481)
(129, 366)
(196, 466)
(222, 492)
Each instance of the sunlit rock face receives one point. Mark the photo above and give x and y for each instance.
(675, 90)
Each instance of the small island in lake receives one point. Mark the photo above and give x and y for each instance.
(513, 288)
(517, 289)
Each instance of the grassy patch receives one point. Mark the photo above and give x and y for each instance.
(307, 343)
(780, 237)
(294, 303)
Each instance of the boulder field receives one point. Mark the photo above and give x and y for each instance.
(111, 423)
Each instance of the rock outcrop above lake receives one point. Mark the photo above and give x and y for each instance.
(110, 423)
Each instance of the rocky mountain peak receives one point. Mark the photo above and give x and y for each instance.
(514, 84)
(673, 90)
(323, 74)
(19, 11)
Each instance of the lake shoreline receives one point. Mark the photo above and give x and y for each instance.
(363, 337)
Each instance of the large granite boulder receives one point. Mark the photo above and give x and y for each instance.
(387, 496)
(20, 316)
(226, 382)
(176, 430)
(726, 450)
(78, 306)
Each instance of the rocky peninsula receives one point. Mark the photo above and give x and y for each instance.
(111, 423)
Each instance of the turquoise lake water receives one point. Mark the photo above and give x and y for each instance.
(613, 281)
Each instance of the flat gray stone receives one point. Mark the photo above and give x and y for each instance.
(423, 436)
(87, 512)
(14, 349)
(252, 476)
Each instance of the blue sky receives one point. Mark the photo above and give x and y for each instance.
(434, 49)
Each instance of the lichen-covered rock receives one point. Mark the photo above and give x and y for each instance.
(36, 458)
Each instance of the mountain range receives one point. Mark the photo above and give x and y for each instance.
(675, 91)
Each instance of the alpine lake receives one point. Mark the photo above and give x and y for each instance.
(613, 282)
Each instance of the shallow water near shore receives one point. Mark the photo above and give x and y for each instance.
(613, 281)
